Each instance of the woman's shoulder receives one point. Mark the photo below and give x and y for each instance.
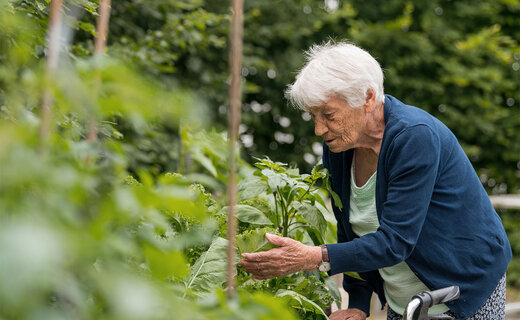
(401, 115)
(401, 118)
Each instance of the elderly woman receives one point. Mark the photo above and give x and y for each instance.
(415, 216)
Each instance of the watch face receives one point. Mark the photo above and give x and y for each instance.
(324, 267)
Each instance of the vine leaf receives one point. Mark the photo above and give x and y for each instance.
(210, 269)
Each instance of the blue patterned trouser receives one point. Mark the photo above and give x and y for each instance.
(493, 309)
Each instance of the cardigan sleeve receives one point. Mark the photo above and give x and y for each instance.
(411, 165)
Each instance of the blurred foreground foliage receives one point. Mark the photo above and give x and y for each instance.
(94, 230)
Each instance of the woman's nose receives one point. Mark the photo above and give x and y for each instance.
(319, 127)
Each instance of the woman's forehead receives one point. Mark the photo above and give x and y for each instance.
(318, 109)
(331, 104)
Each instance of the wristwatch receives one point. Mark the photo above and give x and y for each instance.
(324, 266)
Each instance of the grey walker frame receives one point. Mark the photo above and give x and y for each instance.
(417, 308)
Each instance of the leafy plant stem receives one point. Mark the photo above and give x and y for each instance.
(291, 215)
(285, 216)
(283, 212)
(300, 225)
(307, 191)
(276, 209)
(297, 222)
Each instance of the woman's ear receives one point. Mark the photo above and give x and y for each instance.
(370, 101)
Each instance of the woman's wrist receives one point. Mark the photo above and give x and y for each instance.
(314, 258)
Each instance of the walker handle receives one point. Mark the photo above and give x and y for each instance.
(418, 307)
(443, 295)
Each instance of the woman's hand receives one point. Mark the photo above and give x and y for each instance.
(291, 256)
(351, 314)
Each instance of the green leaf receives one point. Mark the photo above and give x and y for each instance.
(312, 215)
(295, 185)
(354, 275)
(41, 6)
(337, 199)
(210, 269)
(165, 264)
(251, 187)
(274, 180)
(315, 235)
(205, 162)
(334, 291)
(318, 172)
(87, 27)
(266, 162)
(254, 241)
(248, 214)
(298, 301)
(318, 197)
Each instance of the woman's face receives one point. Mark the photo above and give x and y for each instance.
(339, 124)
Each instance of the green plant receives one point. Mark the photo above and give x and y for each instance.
(279, 200)
(297, 200)
(304, 291)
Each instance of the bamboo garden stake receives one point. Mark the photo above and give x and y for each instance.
(53, 53)
(235, 63)
(99, 48)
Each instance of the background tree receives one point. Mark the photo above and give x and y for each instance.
(459, 60)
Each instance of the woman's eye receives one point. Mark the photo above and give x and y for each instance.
(329, 115)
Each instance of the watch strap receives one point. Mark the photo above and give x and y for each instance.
(324, 253)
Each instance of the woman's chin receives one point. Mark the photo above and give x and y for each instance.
(334, 148)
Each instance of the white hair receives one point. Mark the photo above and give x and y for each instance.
(336, 70)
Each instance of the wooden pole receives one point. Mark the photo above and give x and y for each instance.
(99, 48)
(235, 68)
(53, 53)
(102, 26)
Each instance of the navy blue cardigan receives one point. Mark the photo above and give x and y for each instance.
(433, 213)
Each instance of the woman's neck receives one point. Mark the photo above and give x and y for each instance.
(365, 165)
(372, 135)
